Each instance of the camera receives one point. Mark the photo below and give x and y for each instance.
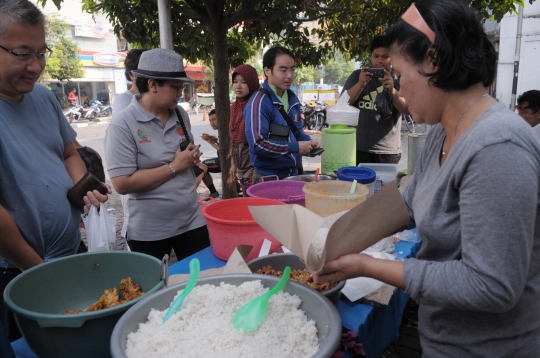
(378, 72)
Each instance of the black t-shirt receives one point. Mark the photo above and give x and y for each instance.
(373, 134)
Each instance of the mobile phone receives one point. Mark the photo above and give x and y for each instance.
(315, 152)
(184, 144)
(378, 72)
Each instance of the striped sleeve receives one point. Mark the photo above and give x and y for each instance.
(258, 118)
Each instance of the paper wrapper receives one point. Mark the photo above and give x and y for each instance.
(349, 232)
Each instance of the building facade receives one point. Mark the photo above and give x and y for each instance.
(102, 54)
(529, 57)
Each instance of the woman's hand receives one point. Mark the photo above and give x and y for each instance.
(361, 265)
(95, 198)
(187, 158)
(348, 266)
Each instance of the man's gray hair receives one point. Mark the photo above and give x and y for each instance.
(18, 12)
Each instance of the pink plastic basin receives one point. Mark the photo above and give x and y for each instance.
(230, 224)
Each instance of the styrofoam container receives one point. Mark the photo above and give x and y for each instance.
(387, 172)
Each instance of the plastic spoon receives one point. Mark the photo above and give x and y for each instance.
(353, 186)
(316, 175)
(251, 315)
(194, 270)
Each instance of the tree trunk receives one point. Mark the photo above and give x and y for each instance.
(221, 98)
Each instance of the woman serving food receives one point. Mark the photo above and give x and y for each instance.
(150, 156)
(474, 196)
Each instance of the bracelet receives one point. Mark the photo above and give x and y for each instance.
(173, 172)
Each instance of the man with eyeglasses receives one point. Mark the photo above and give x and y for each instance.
(38, 162)
(274, 128)
(529, 108)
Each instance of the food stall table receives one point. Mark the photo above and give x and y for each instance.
(376, 327)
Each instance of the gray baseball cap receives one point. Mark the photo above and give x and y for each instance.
(161, 64)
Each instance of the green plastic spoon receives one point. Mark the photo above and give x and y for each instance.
(251, 315)
(353, 186)
(194, 270)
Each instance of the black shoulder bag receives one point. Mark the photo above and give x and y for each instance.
(184, 144)
(277, 131)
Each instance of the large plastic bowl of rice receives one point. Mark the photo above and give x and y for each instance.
(203, 327)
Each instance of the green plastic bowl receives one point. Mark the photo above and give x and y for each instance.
(39, 295)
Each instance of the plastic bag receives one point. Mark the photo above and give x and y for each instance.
(342, 112)
(384, 104)
(384, 245)
(409, 236)
(100, 229)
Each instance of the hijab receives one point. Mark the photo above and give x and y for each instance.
(236, 124)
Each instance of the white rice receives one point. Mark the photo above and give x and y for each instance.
(203, 327)
(319, 241)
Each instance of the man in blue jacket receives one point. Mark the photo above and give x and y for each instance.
(274, 148)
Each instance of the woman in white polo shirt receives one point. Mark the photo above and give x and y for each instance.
(144, 161)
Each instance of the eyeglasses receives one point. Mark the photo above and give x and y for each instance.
(179, 90)
(28, 57)
(292, 70)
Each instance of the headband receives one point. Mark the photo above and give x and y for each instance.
(413, 17)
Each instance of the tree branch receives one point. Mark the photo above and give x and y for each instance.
(194, 6)
(289, 14)
(239, 16)
(211, 10)
(190, 12)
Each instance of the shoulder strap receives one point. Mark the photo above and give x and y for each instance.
(180, 121)
(279, 107)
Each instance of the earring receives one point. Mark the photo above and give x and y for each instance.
(155, 90)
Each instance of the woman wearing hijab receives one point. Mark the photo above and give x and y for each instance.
(150, 153)
(245, 83)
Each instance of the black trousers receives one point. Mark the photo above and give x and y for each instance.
(213, 164)
(6, 316)
(365, 157)
(184, 245)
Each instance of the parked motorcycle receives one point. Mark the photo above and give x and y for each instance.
(102, 110)
(314, 118)
(77, 112)
(72, 113)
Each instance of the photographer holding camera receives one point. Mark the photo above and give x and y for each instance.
(378, 140)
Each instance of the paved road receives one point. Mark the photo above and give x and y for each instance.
(92, 134)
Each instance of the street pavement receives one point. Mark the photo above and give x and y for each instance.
(91, 134)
